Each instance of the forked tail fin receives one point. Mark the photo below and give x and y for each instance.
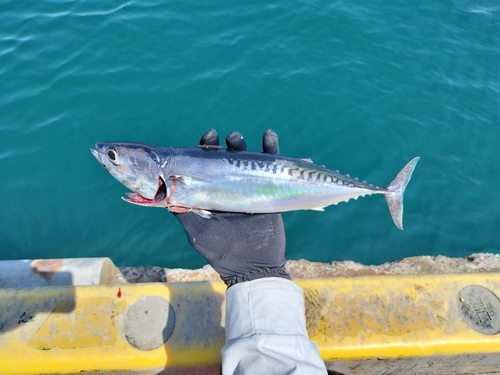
(395, 191)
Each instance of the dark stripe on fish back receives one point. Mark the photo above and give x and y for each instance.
(295, 171)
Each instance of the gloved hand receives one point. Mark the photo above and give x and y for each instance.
(240, 247)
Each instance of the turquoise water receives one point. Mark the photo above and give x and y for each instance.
(358, 86)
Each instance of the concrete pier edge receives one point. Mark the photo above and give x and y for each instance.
(419, 315)
(303, 269)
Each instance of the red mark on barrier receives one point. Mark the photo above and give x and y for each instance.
(119, 294)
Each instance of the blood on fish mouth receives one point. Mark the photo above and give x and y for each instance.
(161, 194)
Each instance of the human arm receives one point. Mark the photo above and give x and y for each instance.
(265, 322)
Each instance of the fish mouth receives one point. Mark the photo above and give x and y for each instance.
(158, 200)
(96, 155)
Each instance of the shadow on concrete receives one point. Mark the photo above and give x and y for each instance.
(199, 331)
(24, 295)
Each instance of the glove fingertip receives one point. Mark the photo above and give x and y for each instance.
(210, 138)
(270, 142)
(235, 141)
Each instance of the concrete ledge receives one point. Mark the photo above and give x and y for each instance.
(133, 329)
(407, 324)
(411, 324)
(303, 269)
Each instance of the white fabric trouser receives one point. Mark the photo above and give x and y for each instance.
(266, 330)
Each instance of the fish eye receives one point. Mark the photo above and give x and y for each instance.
(112, 155)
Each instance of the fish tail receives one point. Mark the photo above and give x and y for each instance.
(395, 190)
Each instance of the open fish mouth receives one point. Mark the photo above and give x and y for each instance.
(158, 200)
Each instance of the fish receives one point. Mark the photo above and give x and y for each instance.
(204, 179)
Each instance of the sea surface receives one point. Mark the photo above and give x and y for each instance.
(359, 86)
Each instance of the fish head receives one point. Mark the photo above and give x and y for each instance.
(137, 167)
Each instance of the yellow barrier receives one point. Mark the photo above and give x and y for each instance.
(176, 327)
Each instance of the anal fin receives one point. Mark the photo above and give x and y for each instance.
(203, 213)
(198, 211)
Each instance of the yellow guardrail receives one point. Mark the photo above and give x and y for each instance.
(162, 327)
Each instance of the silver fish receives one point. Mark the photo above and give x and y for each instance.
(208, 178)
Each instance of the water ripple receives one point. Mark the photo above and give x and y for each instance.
(358, 86)
(53, 120)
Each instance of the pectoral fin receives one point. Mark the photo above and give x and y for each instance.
(179, 178)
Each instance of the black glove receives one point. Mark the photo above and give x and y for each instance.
(240, 247)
